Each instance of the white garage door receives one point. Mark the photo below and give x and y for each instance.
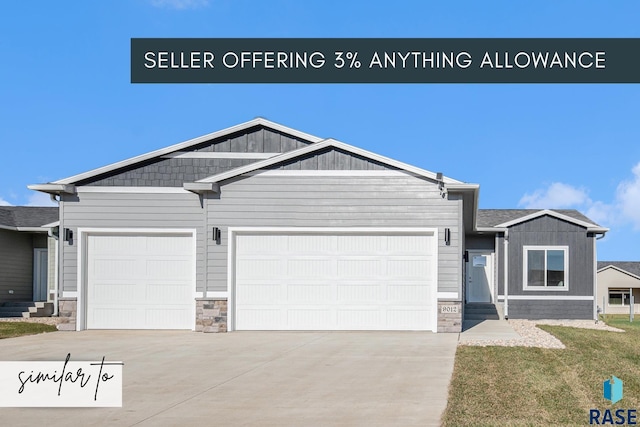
(140, 282)
(336, 282)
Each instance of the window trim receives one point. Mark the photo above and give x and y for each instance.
(626, 291)
(525, 262)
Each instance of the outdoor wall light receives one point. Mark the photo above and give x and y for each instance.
(217, 235)
(447, 236)
(68, 235)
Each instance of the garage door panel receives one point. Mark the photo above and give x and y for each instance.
(409, 293)
(336, 282)
(260, 293)
(309, 267)
(355, 293)
(147, 284)
(351, 267)
(321, 293)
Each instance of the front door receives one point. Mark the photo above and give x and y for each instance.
(479, 276)
(40, 276)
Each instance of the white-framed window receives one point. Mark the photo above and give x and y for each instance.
(619, 297)
(546, 268)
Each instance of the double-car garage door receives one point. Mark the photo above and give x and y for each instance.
(346, 281)
(280, 281)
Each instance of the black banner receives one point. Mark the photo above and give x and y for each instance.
(326, 60)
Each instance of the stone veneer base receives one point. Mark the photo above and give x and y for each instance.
(450, 322)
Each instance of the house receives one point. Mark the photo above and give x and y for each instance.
(27, 258)
(617, 282)
(263, 227)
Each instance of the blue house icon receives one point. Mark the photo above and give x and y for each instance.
(612, 389)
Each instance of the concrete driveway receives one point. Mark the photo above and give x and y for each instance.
(252, 378)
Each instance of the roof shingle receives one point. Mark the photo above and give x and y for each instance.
(27, 216)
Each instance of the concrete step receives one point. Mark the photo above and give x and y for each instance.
(5, 312)
(26, 309)
(487, 310)
(473, 316)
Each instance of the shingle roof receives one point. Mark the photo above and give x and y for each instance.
(632, 267)
(27, 216)
(493, 217)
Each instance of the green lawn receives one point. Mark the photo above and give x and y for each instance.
(520, 386)
(17, 329)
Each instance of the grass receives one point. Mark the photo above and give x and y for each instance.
(518, 386)
(18, 329)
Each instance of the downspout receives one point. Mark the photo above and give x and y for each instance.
(506, 273)
(595, 278)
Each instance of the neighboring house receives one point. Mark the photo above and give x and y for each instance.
(27, 254)
(260, 226)
(617, 282)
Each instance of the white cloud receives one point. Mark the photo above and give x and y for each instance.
(557, 196)
(624, 208)
(180, 4)
(40, 199)
(3, 202)
(628, 198)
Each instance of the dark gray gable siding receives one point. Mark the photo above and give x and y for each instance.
(332, 159)
(493, 217)
(549, 231)
(165, 172)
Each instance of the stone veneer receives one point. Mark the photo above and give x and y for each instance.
(67, 311)
(449, 322)
(211, 315)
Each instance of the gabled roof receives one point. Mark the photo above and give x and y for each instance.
(329, 143)
(186, 144)
(629, 267)
(26, 218)
(503, 218)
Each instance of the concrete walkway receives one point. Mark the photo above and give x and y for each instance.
(252, 378)
(487, 330)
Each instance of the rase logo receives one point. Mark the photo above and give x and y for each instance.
(612, 390)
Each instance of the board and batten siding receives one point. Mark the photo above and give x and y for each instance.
(129, 210)
(334, 201)
(16, 266)
(549, 231)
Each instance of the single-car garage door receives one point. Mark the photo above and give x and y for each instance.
(335, 282)
(140, 281)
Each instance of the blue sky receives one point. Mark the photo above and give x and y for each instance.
(67, 104)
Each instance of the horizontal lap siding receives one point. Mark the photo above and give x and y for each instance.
(119, 210)
(16, 266)
(297, 201)
(549, 231)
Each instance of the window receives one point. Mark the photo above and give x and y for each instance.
(546, 268)
(619, 297)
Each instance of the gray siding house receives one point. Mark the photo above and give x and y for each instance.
(27, 255)
(263, 227)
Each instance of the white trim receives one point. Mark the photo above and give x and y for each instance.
(589, 226)
(621, 270)
(320, 146)
(51, 225)
(233, 232)
(157, 153)
(153, 190)
(69, 294)
(525, 260)
(448, 295)
(217, 294)
(81, 283)
(53, 188)
(217, 155)
(6, 227)
(374, 173)
(198, 294)
(548, 297)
